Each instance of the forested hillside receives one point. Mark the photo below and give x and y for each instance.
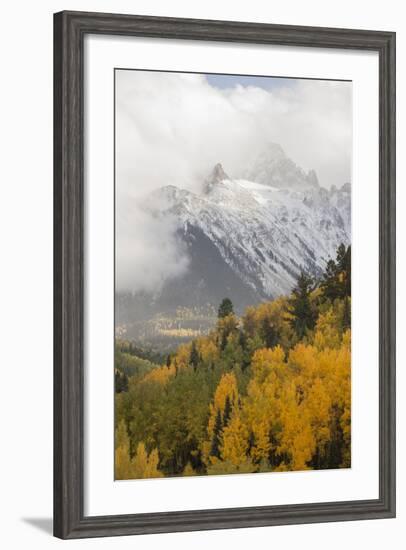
(269, 391)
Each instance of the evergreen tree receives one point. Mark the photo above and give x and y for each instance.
(303, 317)
(341, 257)
(330, 283)
(168, 361)
(346, 314)
(336, 282)
(344, 266)
(120, 381)
(215, 442)
(194, 356)
(226, 308)
(269, 334)
(251, 442)
(242, 340)
(223, 341)
(227, 411)
(246, 354)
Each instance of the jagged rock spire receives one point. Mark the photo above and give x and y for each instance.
(217, 175)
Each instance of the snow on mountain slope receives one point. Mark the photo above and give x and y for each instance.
(265, 234)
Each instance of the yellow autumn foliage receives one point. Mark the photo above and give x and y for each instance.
(161, 375)
(271, 315)
(327, 333)
(227, 387)
(235, 441)
(293, 408)
(142, 465)
(267, 391)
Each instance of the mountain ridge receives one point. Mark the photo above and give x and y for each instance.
(246, 239)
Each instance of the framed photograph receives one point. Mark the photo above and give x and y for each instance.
(224, 274)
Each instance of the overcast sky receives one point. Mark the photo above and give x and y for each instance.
(172, 128)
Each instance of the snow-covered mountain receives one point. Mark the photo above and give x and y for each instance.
(248, 238)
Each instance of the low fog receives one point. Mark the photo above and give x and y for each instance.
(171, 129)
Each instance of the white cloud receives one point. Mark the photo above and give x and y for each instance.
(172, 128)
(147, 250)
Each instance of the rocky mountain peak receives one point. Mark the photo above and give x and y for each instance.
(217, 175)
(245, 238)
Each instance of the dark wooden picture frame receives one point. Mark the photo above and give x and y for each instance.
(69, 31)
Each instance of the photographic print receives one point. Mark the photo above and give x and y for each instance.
(232, 274)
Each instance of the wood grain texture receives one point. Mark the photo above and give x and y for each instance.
(69, 30)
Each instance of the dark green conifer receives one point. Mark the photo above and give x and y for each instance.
(303, 317)
(330, 283)
(194, 356)
(225, 308)
(215, 442)
(346, 314)
(269, 334)
(242, 340)
(227, 411)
